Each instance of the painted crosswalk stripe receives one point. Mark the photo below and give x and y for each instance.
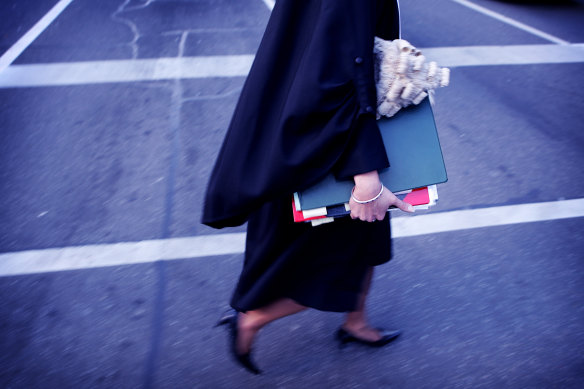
(270, 4)
(466, 56)
(117, 71)
(486, 217)
(92, 256)
(13, 52)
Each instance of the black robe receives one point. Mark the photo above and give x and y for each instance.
(307, 108)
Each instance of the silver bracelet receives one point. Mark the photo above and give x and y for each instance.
(366, 201)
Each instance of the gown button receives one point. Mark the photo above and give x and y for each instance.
(358, 60)
(369, 109)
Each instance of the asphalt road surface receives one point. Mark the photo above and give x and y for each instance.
(111, 115)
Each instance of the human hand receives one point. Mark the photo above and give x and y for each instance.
(367, 186)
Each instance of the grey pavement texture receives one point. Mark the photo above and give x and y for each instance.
(472, 318)
(499, 307)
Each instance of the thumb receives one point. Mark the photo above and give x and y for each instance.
(402, 205)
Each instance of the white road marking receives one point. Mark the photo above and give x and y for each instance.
(512, 22)
(487, 217)
(13, 52)
(84, 257)
(270, 4)
(465, 56)
(92, 256)
(97, 72)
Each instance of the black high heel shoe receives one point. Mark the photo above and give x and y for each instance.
(243, 359)
(344, 337)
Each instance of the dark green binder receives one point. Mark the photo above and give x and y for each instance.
(413, 149)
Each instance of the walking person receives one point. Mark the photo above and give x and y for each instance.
(307, 109)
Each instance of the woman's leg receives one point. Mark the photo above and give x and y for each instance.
(251, 322)
(356, 321)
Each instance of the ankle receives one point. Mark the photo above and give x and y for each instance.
(249, 322)
(355, 320)
(353, 326)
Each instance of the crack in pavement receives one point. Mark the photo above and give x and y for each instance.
(116, 17)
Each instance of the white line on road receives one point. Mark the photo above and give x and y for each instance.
(487, 217)
(80, 73)
(84, 257)
(505, 55)
(13, 52)
(270, 4)
(98, 72)
(92, 256)
(512, 22)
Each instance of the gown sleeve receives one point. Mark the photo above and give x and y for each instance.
(364, 153)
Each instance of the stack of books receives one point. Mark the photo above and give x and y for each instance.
(417, 166)
(420, 198)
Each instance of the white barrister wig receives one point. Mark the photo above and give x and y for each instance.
(402, 76)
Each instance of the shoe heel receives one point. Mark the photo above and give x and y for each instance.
(223, 321)
(343, 338)
(230, 320)
(226, 319)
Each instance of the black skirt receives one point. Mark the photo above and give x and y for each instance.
(321, 267)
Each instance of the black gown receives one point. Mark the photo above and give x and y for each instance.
(306, 109)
